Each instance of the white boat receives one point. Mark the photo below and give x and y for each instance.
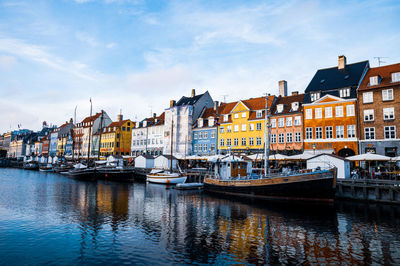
(166, 178)
(46, 168)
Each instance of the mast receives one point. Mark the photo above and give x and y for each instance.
(266, 138)
(101, 131)
(172, 142)
(90, 131)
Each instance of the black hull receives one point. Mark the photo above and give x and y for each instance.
(85, 175)
(124, 175)
(320, 190)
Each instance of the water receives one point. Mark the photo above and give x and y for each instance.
(46, 218)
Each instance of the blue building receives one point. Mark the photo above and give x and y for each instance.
(205, 133)
(68, 146)
(53, 143)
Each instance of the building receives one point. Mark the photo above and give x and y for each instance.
(182, 115)
(205, 132)
(115, 139)
(65, 132)
(379, 111)
(328, 161)
(286, 122)
(144, 161)
(45, 146)
(242, 126)
(53, 142)
(330, 107)
(148, 136)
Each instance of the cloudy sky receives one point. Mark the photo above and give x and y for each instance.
(136, 56)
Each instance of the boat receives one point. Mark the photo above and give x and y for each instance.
(62, 168)
(31, 165)
(82, 172)
(114, 172)
(233, 176)
(165, 176)
(46, 168)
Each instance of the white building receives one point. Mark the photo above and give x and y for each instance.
(164, 162)
(328, 161)
(144, 161)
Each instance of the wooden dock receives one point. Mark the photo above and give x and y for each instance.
(373, 190)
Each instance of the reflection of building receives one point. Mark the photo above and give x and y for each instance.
(379, 110)
(330, 121)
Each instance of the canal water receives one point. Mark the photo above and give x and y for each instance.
(46, 218)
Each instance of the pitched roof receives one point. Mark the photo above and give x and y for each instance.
(153, 121)
(328, 79)
(189, 100)
(118, 123)
(91, 118)
(287, 104)
(385, 74)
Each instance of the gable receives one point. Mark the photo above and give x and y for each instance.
(240, 106)
(328, 98)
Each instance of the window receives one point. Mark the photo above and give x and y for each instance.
(308, 113)
(258, 141)
(244, 114)
(235, 142)
(396, 77)
(350, 110)
(279, 108)
(388, 113)
(288, 121)
(251, 127)
(339, 132)
(236, 115)
(318, 132)
(243, 141)
(297, 137)
(281, 138)
(200, 147)
(369, 115)
(228, 142)
(259, 114)
(236, 128)
(200, 135)
(212, 147)
(251, 141)
(258, 126)
(318, 112)
(344, 92)
(226, 118)
(273, 123)
(195, 135)
(368, 97)
(329, 132)
(229, 129)
(369, 133)
(315, 96)
(244, 127)
(205, 147)
(195, 147)
(297, 121)
(387, 95)
(289, 137)
(373, 81)
(351, 131)
(205, 135)
(309, 134)
(339, 111)
(390, 132)
(273, 138)
(213, 134)
(328, 112)
(221, 129)
(281, 122)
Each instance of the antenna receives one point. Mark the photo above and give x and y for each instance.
(379, 59)
(151, 110)
(224, 96)
(75, 114)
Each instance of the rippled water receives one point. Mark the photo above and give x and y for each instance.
(47, 218)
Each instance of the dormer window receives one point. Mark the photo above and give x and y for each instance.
(211, 121)
(144, 123)
(344, 92)
(396, 77)
(373, 81)
(200, 122)
(295, 106)
(279, 108)
(259, 114)
(226, 118)
(315, 96)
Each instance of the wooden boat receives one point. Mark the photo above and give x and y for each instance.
(46, 168)
(31, 165)
(166, 177)
(233, 177)
(115, 173)
(81, 172)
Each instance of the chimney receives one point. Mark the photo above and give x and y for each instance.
(215, 105)
(71, 120)
(154, 115)
(283, 88)
(295, 93)
(193, 93)
(342, 62)
(172, 103)
(120, 117)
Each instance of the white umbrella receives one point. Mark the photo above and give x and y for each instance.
(369, 157)
(278, 157)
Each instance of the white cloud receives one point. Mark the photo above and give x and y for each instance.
(111, 45)
(86, 38)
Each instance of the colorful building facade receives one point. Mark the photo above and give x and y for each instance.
(116, 138)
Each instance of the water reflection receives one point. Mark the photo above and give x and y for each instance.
(105, 222)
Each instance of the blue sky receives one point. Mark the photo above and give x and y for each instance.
(138, 55)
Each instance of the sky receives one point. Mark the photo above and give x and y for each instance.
(134, 56)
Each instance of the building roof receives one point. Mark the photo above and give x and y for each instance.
(147, 156)
(287, 104)
(328, 79)
(189, 100)
(91, 118)
(153, 121)
(385, 76)
(113, 126)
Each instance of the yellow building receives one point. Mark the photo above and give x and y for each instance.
(242, 125)
(61, 143)
(116, 138)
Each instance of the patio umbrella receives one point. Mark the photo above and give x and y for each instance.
(369, 157)
(278, 157)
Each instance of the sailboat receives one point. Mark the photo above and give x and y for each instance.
(233, 176)
(167, 177)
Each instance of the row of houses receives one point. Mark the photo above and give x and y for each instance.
(347, 109)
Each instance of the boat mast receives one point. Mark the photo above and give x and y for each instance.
(101, 131)
(266, 138)
(172, 142)
(90, 131)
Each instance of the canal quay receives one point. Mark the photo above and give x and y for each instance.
(47, 218)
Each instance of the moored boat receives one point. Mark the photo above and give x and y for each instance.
(115, 173)
(31, 165)
(46, 168)
(166, 177)
(81, 172)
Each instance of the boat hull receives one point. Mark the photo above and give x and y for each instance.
(46, 169)
(165, 179)
(115, 174)
(318, 187)
(84, 174)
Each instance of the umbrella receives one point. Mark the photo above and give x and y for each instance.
(278, 157)
(368, 157)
